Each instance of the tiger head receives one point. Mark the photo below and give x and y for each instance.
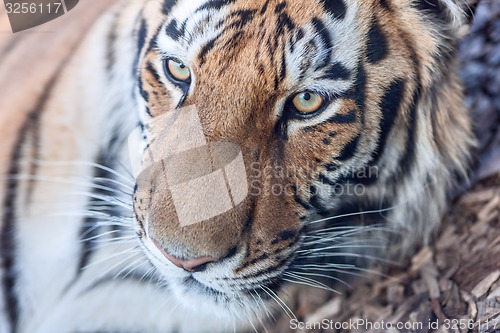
(333, 108)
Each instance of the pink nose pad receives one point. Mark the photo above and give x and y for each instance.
(194, 265)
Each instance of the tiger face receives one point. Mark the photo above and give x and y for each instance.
(313, 94)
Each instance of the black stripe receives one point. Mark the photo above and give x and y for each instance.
(149, 113)
(386, 5)
(174, 31)
(34, 123)
(282, 67)
(264, 8)
(340, 118)
(110, 42)
(408, 158)
(337, 71)
(150, 68)
(141, 40)
(332, 167)
(434, 8)
(270, 269)
(360, 94)
(301, 202)
(8, 233)
(406, 162)
(243, 17)
(153, 42)
(280, 7)
(389, 107)
(247, 228)
(281, 128)
(214, 5)
(299, 35)
(89, 230)
(140, 86)
(287, 235)
(320, 208)
(232, 44)
(314, 201)
(207, 48)
(106, 157)
(349, 149)
(358, 90)
(284, 22)
(90, 226)
(252, 262)
(377, 48)
(324, 34)
(325, 180)
(272, 46)
(168, 6)
(276, 79)
(336, 8)
(240, 19)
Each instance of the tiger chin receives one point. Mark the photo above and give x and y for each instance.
(317, 138)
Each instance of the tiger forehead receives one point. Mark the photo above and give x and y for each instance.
(298, 11)
(202, 26)
(271, 23)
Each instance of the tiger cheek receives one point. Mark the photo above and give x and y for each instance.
(275, 221)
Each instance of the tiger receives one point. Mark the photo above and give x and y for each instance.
(345, 117)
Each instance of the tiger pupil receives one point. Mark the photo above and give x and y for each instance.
(307, 96)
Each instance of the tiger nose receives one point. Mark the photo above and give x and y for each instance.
(193, 265)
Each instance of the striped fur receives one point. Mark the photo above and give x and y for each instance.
(83, 243)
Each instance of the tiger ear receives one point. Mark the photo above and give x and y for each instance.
(459, 12)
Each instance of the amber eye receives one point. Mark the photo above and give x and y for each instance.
(177, 70)
(307, 102)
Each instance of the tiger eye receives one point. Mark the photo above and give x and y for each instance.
(178, 70)
(307, 102)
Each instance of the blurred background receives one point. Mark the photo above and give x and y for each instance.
(480, 70)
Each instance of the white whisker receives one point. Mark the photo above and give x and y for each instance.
(128, 251)
(301, 274)
(283, 305)
(300, 277)
(85, 163)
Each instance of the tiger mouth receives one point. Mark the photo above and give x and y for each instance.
(192, 284)
(237, 285)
